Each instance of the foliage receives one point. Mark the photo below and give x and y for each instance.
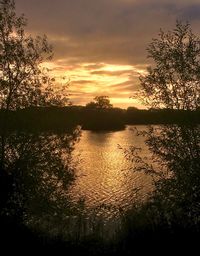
(23, 81)
(174, 163)
(173, 82)
(174, 149)
(100, 102)
(40, 170)
(36, 169)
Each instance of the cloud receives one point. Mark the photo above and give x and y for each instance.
(82, 82)
(128, 87)
(192, 13)
(111, 73)
(114, 31)
(110, 31)
(94, 66)
(88, 34)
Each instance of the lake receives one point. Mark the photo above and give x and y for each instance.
(106, 181)
(105, 185)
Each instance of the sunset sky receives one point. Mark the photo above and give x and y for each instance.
(100, 45)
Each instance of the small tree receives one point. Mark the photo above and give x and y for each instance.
(22, 78)
(174, 81)
(100, 102)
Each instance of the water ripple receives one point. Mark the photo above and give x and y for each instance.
(105, 179)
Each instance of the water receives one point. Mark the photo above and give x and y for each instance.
(43, 192)
(106, 180)
(105, 183)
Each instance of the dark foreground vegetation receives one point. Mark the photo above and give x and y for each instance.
(141, 241)
(35, 179)
(63, 118)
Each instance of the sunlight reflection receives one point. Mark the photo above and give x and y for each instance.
(104, 176)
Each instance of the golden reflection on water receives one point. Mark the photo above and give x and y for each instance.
(105, 176)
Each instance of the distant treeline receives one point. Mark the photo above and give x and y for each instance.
(43, 118)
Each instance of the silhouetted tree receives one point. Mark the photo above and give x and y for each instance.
(100, 102)
(23, 81)
(173, 82)
(40, 170)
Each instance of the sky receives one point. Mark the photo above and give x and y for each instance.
(100, 45)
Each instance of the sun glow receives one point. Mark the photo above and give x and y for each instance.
(87, 80)
(109, 67)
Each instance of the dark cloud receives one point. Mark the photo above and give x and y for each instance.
(115, 31)
(77, 93)
(111, 73)
(88, 34)
(191, 13)
(79, 82)
(129, 86)
(94, 66)
(112, 31)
